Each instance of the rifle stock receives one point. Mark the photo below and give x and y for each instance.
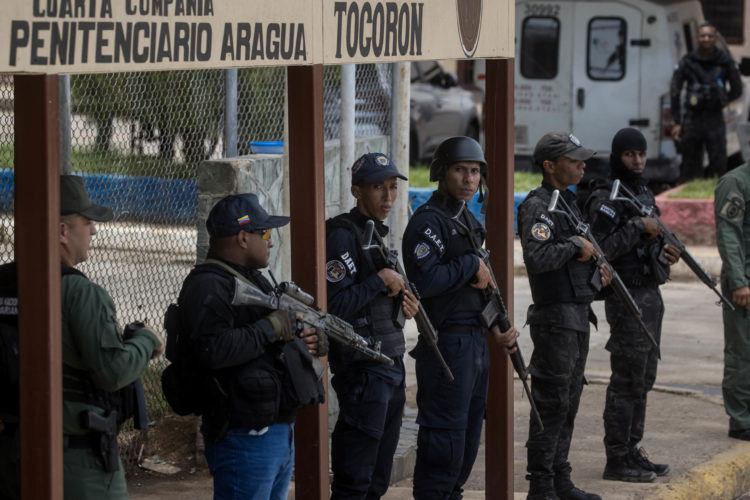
(669, 238)
(424, 325)
(289, 297)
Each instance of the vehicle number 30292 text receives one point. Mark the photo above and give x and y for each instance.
(541, 9)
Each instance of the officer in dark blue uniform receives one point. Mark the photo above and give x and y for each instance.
(440, 261)
(372, 297)
(560, 269)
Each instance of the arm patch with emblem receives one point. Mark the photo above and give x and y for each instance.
(734, 208)
(431, 236)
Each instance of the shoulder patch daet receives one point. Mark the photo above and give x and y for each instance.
(541, 231)
(547, 219)
(433, 237)
(422, 250)
(349, 262)
(335, 271)
(607, 210)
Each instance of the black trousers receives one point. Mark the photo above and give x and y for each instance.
(703, 130)
(557, 366)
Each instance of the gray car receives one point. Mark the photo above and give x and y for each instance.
(440, 109)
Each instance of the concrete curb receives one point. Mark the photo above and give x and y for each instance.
(726, 476)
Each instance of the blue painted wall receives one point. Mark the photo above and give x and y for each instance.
(176, 200)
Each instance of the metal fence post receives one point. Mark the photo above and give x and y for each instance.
(230, 112)
(347, 133)
(63, 96)
(400, 94)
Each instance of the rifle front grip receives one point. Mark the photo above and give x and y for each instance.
(519, 365)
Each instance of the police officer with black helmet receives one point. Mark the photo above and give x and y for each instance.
(439, 259)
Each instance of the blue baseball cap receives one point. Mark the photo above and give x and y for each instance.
(374, 168)
(241, 212)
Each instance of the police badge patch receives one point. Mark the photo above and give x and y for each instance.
(541, 231)
(335, 271)
(734, 207)
(421, 251)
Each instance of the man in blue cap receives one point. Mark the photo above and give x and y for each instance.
(249, 434)
(364, 291)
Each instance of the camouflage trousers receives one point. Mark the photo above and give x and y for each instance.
(633, 360)
(556, 368)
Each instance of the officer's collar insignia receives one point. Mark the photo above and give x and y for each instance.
(575, 140)
(422, 250)
(382, 160)
(335, 271)
(541, 231)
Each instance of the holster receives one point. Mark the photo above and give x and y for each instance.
(105, 445)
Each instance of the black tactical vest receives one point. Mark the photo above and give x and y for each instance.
(462, 307)
(382, 318)
(570, 283)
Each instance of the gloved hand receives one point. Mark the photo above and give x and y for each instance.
(322, 342)
(284, 323)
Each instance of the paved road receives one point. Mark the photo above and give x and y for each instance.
(686, 424)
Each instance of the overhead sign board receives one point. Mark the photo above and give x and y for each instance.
(82, 36)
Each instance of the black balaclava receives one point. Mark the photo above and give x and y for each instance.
(624, 140)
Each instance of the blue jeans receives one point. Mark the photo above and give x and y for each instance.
(252, 467)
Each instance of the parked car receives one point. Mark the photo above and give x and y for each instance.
(439, 109)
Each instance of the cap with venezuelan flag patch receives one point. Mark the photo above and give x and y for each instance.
(240, 212)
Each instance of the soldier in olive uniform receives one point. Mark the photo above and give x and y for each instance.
(97, 362)
(733, 239)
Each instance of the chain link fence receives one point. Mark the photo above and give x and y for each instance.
(137, 138)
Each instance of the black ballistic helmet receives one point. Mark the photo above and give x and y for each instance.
(453, 150)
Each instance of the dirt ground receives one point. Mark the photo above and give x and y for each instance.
(171, 442)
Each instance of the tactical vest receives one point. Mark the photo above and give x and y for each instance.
(266, 390)
(77, 384)
(382, 317)
(637, 267)
(464, 306)
(571, 282)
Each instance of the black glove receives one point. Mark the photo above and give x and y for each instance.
(284, 323)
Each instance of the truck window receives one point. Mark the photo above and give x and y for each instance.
(605, 58)
(540, 39)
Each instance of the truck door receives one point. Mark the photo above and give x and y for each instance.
(606, 72)
(544, 38)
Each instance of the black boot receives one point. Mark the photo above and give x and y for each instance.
(640, 458)
(624, 469)
(577, 494)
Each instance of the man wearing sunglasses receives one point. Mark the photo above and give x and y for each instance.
(249, 433)
(371, 296)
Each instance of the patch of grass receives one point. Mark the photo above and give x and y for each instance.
(697, 189)
(419, 176)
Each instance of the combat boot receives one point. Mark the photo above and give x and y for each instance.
(625, 469)
(548, 494)
(640, 458)
(577, 494)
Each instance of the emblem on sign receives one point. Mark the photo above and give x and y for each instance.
(469, 23)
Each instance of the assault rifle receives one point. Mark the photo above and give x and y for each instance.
(495, 313)
(617, 285)
(424, 325)
(289, 297)
(669, 238)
